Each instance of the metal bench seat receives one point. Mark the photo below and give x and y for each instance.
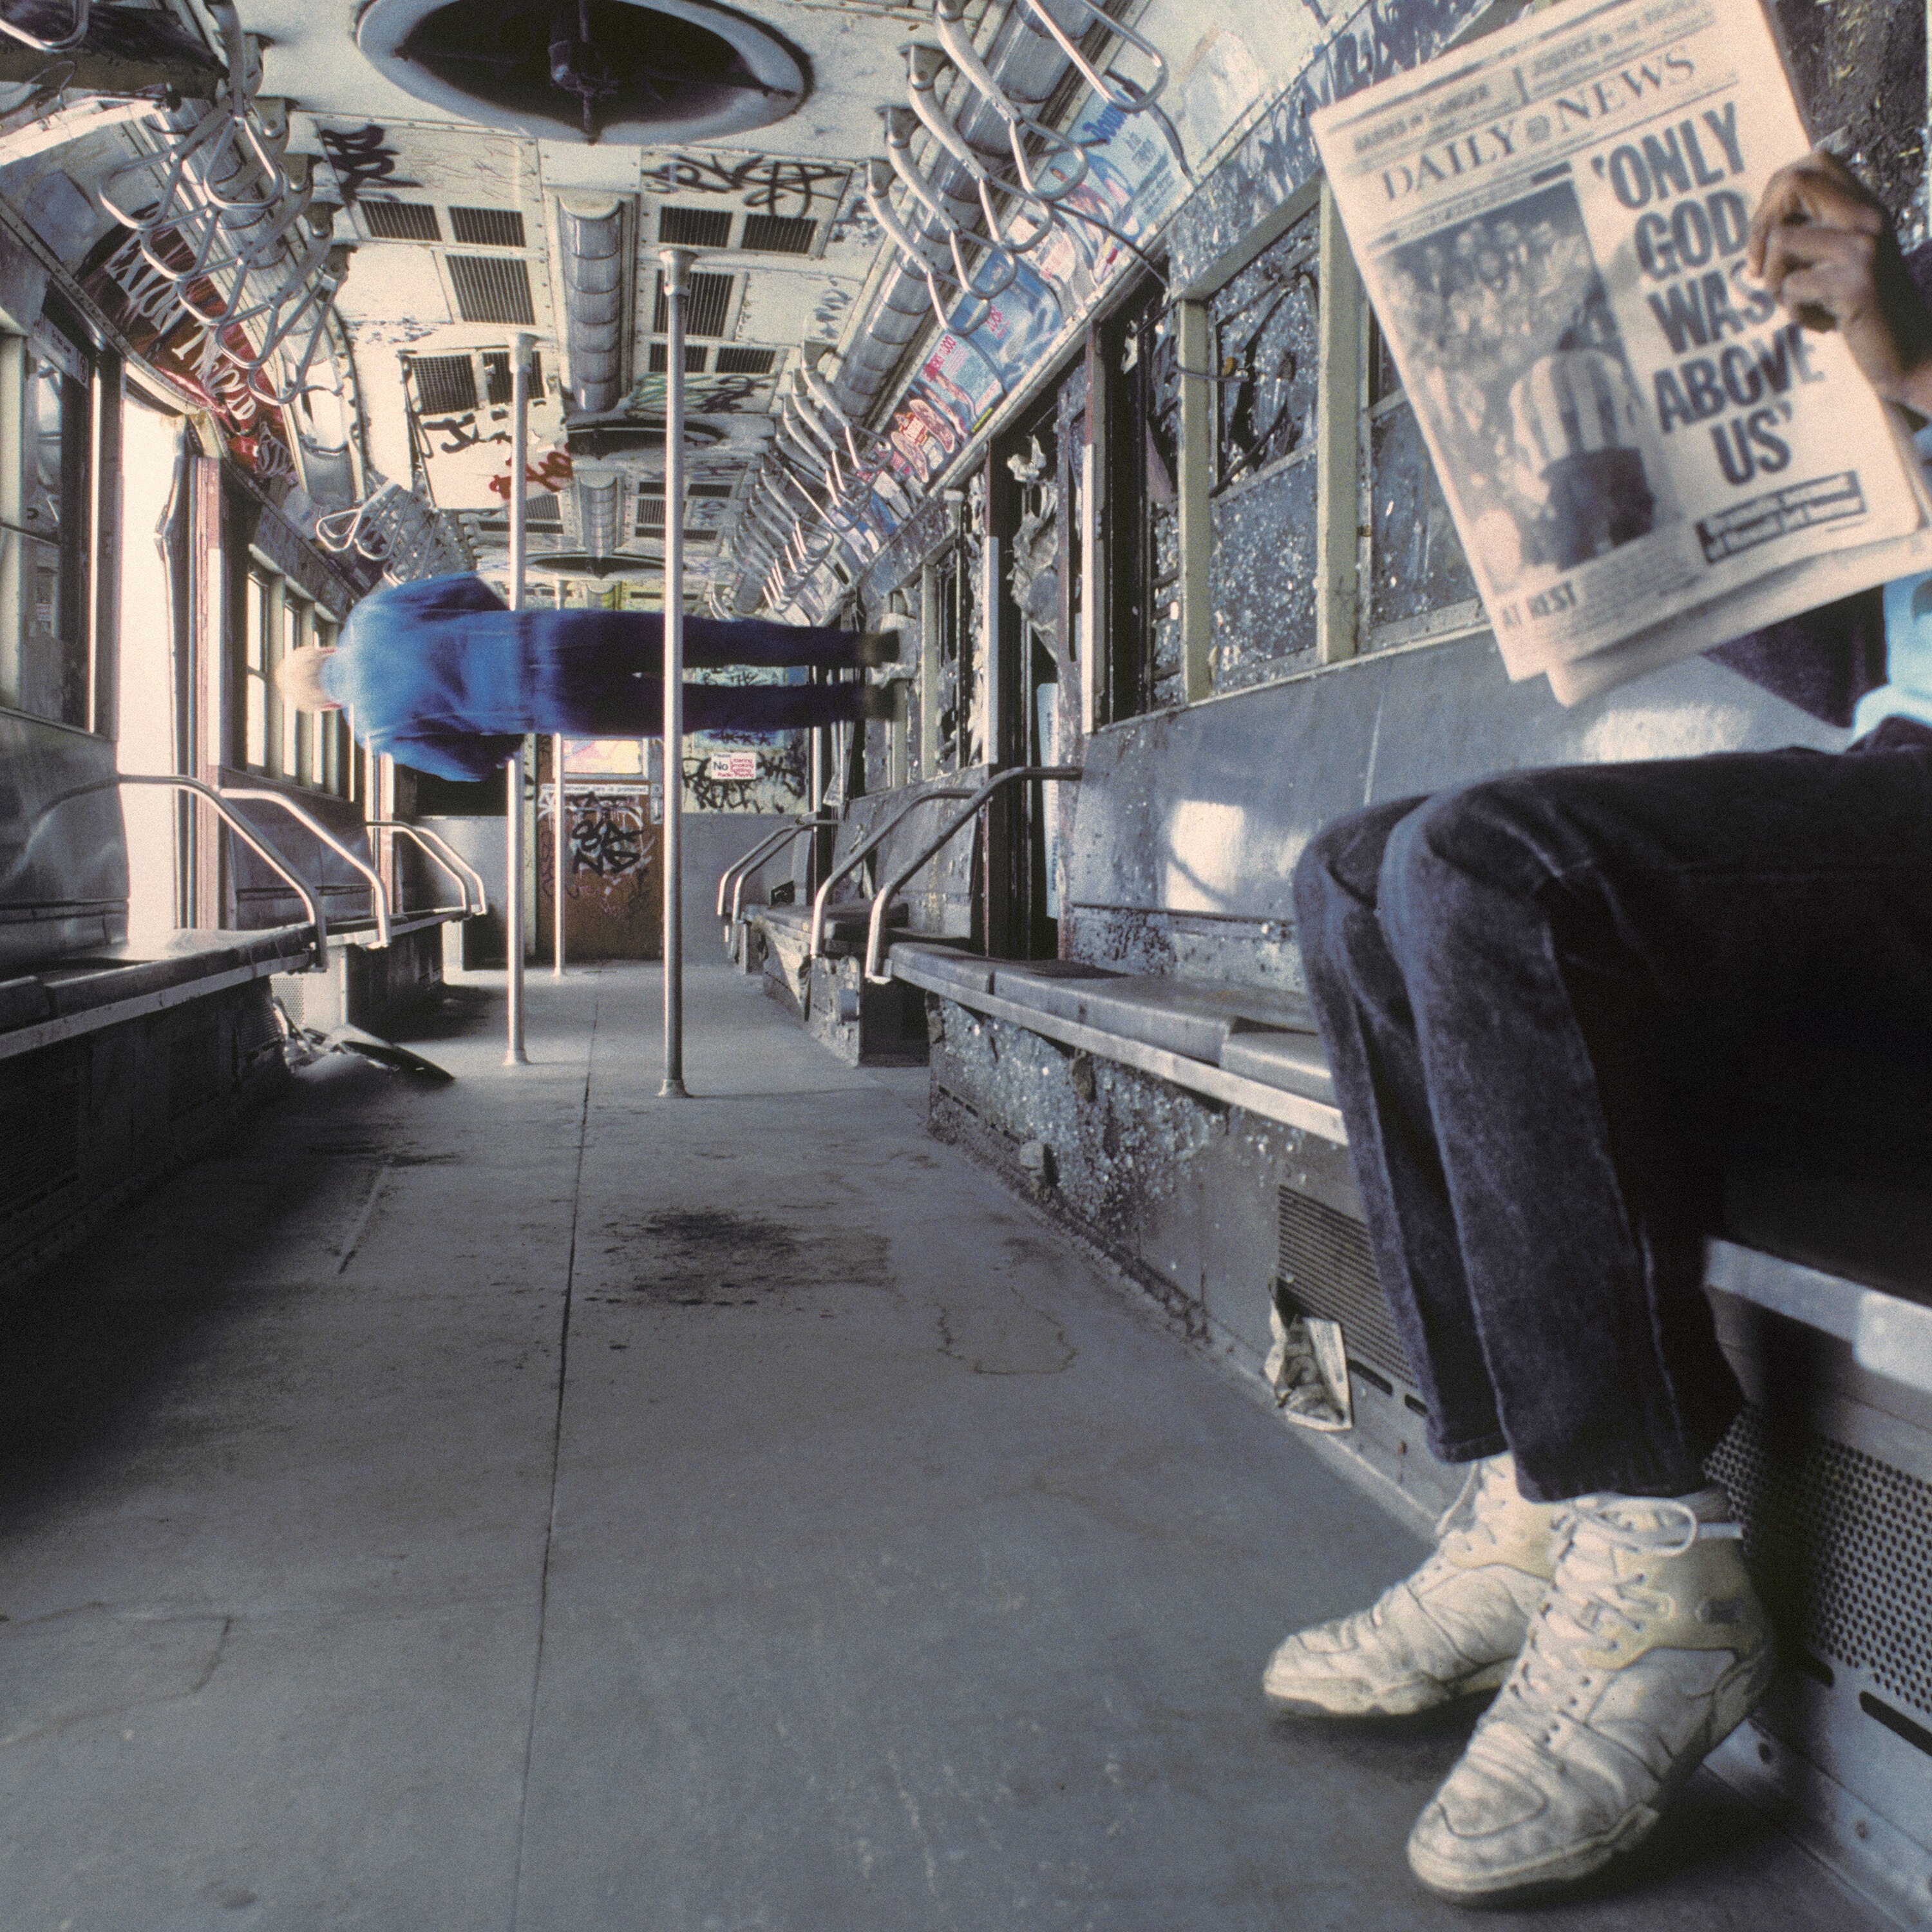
(65, 997)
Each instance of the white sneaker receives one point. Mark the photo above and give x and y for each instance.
(1652, 1648)
(1453, 1627)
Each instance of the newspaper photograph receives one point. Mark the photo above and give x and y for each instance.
(1552, 225)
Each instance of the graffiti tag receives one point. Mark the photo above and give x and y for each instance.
(768, 187)
(362, 158)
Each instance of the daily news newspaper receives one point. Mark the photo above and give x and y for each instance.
(1644, 455)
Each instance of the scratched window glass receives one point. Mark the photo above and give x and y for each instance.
(1261, 579)
(1416, 566)
(1267, 355)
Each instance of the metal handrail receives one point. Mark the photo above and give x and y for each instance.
(854, 860)
(446, 856)
(379, 898)
(1020, 774)
(768, 844)
(752, 860)
(237, 824)
(789, 833)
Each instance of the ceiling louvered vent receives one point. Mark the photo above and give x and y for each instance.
(632, 72)
(445, 385)
(492, 288)
(499, 380)
(400, 220)
(707, 306)
(746, 361)
(780, 234)
(487, 227)
(694, 358)
(694, 227)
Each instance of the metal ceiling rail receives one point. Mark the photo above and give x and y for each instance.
(883, 899)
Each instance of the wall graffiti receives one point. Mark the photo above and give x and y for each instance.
(608, 834)
(362, 159)
(778, 785)
(766, 186)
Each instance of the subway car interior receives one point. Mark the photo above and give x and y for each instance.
(729, 1329)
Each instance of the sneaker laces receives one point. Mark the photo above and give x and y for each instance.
(1588, 1604)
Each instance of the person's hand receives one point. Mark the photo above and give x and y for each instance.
(1822, 245)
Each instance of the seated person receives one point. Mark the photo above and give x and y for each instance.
(1551, 1000)
(444, 677)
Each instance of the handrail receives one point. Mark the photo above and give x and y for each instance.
(769, 843)
(379, 898)
(240, 826)
(750, 861)
(1020, 774)
(855, 859)
(72, 37)
(446, 856)
(790, 833)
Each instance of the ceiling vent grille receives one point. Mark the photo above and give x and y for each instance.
(492, 288)
(487, 227)
(445, 385)
(706, 306)
(499, 380)
(694, 227)
(694, 358)
(717, 492)
(780, 234)
(400, 220)
(746, 362)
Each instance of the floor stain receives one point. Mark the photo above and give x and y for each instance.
(720, 1258)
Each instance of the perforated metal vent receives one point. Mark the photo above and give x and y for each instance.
(491, 288)
(694, 358)
(445, 385)
(1840, 1546)
(39, 1128)
(1325, 1267)
(694, 227)
(746, 362)
(706, 306)
(487, 227)
(400, 220)
(780, 234)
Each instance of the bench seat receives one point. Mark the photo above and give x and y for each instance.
(1794, 1261)
(66, 998)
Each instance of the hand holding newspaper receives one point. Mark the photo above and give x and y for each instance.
(1645, 456)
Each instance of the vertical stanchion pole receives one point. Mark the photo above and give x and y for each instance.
(513, 817)
(677, 264)
(560, 841)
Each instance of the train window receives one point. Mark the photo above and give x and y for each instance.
(1419, 583)
(1142, 667)
(1264, 333)
(44, 446)
(255, 670)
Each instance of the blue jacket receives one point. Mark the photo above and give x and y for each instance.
(439, 674)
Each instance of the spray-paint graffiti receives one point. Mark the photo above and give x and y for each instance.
(458, 433)
(362, 158)
(778, 785)
(607, 833)
(767, 186)
(715, 395)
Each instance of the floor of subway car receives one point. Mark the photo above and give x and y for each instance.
(528, 1504)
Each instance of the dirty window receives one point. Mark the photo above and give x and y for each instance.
(1264, 325)
(1418, 581)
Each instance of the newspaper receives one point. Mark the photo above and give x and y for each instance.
(1644, 455)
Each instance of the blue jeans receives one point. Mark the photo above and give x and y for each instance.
(1556, 1002)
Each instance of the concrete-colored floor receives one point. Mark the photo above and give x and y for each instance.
(528, 1504)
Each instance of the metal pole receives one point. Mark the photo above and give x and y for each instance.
(513, 817)
(677, 264)
(560, 842)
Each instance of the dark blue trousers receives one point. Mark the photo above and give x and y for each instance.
(1557, 1003)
